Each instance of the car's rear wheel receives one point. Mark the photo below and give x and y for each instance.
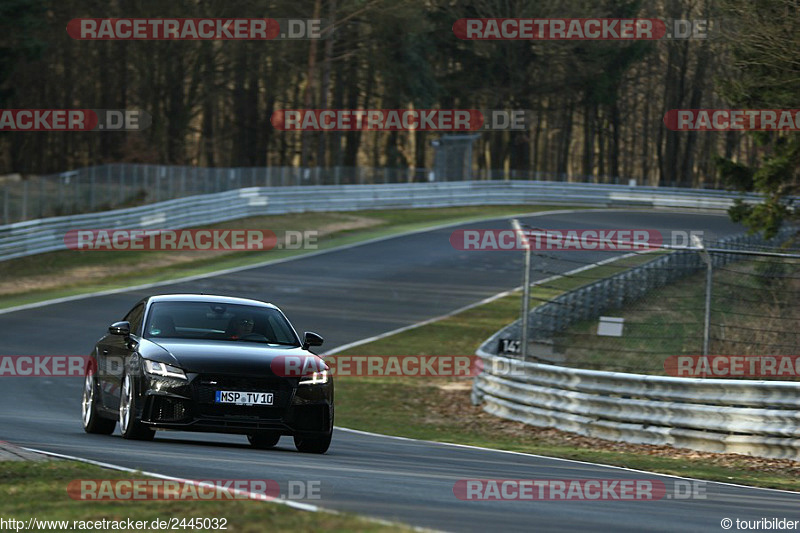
(264, 440)
(92, 421)
(130, 425)
(316, 444)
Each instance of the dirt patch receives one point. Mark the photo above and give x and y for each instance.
(83, 274)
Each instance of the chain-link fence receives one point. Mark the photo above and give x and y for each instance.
(641, 311)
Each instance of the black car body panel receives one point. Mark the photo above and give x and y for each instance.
(209, 366)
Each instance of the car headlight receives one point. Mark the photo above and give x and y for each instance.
(316, 378)
(160, 369)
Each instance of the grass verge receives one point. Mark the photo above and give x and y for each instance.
(39, 489)
(753, 312)
(439, 409)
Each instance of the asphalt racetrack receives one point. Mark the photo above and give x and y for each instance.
(347, 295)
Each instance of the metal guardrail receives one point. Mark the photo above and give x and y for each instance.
(45, 235)
(717, 415)
(119, 185)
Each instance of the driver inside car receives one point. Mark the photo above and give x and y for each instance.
(240, 326)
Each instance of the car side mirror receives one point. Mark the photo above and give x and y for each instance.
(311, 339)
(120, 328)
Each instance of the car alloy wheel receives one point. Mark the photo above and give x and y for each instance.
(125, 400)
(131, 427)
(87, 404)
(92, 422)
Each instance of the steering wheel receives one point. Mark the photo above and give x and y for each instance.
(253, 337)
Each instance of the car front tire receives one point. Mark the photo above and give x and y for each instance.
(129, 423)
(264, 441)
(92, 421)
(316, 444)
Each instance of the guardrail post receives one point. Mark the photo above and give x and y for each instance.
(41, 197)
(60, 179)
(91, 188)
(121, 185)
(707, 325)
(107, 195)
(24, 199)
(183, 181)
(704, 255)
(5, 205)
(526, 288)
(77, 196)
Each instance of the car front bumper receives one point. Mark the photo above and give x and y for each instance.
(190, 405)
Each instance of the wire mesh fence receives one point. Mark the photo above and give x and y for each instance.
(646, 312)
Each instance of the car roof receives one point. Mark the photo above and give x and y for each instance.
(209, 298)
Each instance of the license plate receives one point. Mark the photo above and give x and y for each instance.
(244, 398)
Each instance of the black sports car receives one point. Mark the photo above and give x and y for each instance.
(209, 363)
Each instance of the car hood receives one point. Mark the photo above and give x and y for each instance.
(217, 357)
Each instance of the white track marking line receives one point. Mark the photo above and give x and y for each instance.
(473, 305)
(250, 495)
(481, 448)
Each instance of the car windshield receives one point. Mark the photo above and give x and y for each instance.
(215, 321)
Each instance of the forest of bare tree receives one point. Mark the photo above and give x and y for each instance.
(597, 105)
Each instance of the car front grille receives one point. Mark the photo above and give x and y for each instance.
(208, 385)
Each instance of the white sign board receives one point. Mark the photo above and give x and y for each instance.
(610, 326)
